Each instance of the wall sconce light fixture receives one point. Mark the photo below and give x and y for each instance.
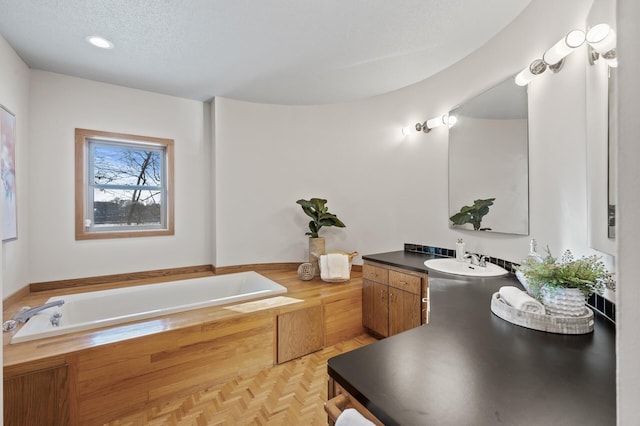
(602, 44)
(431, 123)
(553, 58)
(536, 68)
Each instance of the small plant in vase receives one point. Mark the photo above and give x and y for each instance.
(316, 209)
(564, 284)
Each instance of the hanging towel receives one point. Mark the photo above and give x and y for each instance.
(521, 300)
(334, 266)
(351, 417)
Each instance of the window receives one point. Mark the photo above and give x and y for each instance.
(124, 185)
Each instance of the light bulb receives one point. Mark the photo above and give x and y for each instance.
(526, 75)
(452, 120)
(561, 49)
(407, 130)
(100, 42)
(602, 38)
(436, 122)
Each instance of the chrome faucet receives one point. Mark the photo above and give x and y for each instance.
(474, 258)
(477, 260)
(25, 314)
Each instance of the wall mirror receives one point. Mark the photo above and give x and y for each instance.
(601, 130)
(488, 162)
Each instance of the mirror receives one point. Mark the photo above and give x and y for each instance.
(601, 130)
(488, 162)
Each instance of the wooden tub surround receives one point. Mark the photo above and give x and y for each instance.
(95, 376)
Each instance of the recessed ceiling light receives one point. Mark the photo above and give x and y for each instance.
(100, 42)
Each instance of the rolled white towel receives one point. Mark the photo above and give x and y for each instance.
(334, 266)
(521, 300)
(351, 417)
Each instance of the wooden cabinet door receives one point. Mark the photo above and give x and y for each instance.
(40, 398)
(299, 333)
(404, 311)
(375, 307)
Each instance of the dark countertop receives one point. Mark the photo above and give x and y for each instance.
(469, 367)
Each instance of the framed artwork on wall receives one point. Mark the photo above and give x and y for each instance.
(8, 168)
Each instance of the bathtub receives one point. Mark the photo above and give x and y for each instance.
(85, 311)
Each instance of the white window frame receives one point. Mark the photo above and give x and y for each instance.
(86, 141)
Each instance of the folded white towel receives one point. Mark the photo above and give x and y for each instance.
(521, 300)
(351, 417)
(334, 266)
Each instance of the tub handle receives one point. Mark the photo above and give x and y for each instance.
(55, 319)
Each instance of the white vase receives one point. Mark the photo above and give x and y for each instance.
(566, 302)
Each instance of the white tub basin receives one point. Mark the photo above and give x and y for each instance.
(452, 266)
(86, 311)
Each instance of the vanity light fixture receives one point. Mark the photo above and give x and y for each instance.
(536, 68)
(431, 123)
(554, 56)
(602, 44)
(100, 42)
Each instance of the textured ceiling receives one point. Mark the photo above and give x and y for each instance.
(273, 51)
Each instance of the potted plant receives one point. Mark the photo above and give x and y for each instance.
(564, 284)
(317, 210)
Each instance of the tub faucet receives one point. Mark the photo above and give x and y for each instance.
(25, 314)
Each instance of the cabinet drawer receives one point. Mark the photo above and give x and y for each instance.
(373, 273)
(340, 400)
(405, 282)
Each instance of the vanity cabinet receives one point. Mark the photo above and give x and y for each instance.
(393, 299)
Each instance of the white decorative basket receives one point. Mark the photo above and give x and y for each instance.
(550, 323)
(566, 302)
(340, 280)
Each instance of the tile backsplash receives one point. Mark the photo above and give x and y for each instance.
(440, 251)
(604, 306)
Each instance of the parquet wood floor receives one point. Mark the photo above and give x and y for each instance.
(288, 394)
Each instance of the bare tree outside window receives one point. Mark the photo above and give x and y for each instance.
(127, 185)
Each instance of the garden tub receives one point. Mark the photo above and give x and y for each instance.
(85, 311)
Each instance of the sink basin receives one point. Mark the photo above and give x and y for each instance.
(452, 266)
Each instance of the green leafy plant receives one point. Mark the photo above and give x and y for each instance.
(473, 214)
(587, 274)
(317, 210)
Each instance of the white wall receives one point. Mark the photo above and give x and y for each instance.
(628, 233)
(59, 104)
(14, 95)
(388, 189)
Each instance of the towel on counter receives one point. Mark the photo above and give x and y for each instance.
(521, 300)
(351, 417)
(334, 266)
